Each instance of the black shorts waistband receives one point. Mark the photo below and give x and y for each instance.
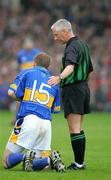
(78, 82)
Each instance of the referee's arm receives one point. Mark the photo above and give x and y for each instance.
(66, 72)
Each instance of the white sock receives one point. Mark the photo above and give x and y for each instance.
(78, 165)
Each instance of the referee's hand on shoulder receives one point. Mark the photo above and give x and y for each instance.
(53, 80)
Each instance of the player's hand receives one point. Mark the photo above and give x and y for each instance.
(53, 80)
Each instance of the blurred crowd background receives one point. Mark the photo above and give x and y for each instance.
(21, 19)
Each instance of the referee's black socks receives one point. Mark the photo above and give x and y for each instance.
(78, 142)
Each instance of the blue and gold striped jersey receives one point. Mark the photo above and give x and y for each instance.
(37, 97)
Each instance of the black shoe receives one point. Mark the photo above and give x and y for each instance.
(56, 162)
(74, 166)
(27, 163)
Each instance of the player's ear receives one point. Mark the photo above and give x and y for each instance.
(35, 64)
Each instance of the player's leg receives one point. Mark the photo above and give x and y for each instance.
(32, 163)
(12, 155)
(42, 146)
(22, 137)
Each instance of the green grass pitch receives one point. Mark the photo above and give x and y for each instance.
(98, 151)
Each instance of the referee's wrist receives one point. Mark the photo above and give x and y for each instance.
(60, 77)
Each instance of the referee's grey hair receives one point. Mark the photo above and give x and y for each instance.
(61, 24)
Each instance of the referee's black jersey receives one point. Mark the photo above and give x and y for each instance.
(77, 53)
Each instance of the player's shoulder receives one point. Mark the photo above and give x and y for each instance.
(20, 52)
(37, 50)
(25, 71)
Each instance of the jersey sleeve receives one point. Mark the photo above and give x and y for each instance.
(71, 56)
(56, 104)
(18, 86)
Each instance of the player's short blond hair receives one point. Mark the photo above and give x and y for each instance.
(43, 60)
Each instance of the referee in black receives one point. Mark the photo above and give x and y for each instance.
(75, 69)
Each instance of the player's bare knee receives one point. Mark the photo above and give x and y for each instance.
(5, 156)
(4, 162)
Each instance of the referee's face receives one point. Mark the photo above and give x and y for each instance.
(59, 36)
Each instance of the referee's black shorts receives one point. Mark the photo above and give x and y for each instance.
(76, 98)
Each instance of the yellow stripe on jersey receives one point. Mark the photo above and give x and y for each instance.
(27, 65)
(49, 104)
(41, 96)
(27, 94)
(14, 86)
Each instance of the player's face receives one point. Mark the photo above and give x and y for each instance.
(59, 36)
(28, 45)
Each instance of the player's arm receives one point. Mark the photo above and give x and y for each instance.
(16, 89)
(12, 95)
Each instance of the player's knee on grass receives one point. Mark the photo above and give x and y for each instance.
(5, 156)
(4, 163)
